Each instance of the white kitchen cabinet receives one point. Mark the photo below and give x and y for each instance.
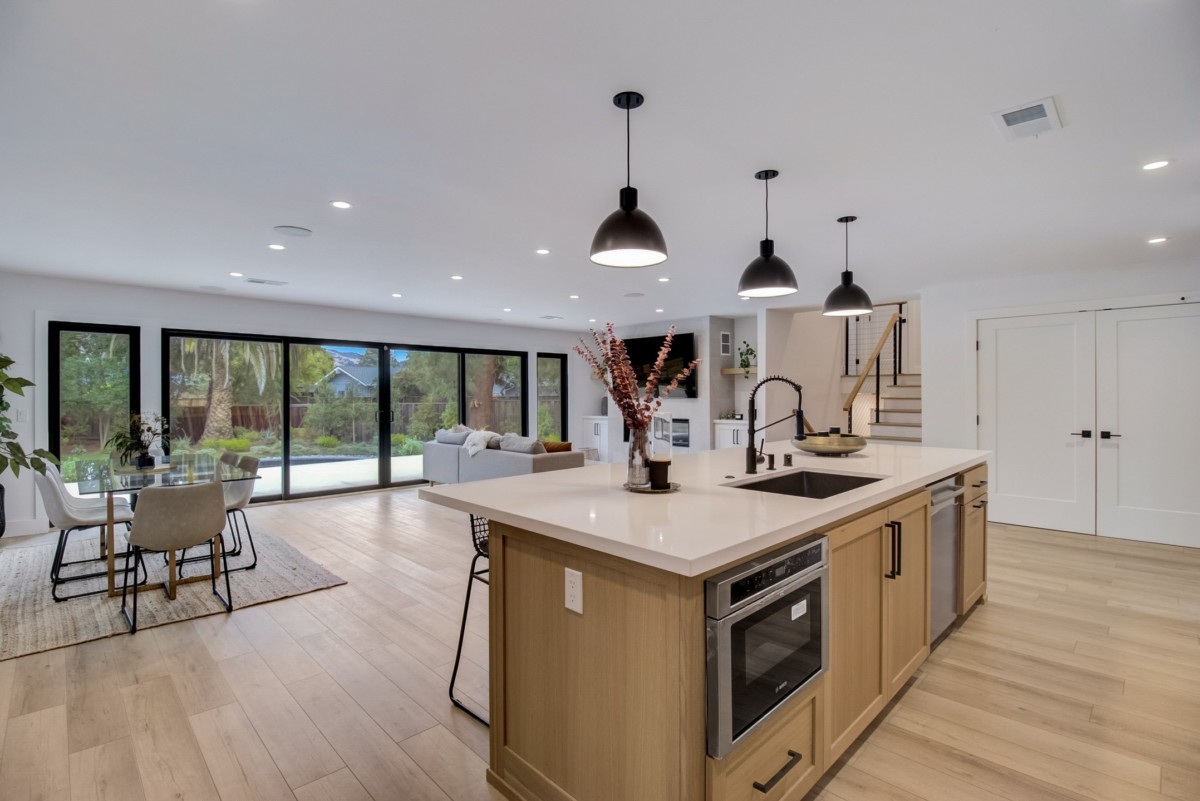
(730, 433)
(595, 435)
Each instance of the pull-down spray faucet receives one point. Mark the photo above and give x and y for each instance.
(751, 451)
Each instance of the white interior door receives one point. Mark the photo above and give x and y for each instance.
(1037, 397)
(1148, 475)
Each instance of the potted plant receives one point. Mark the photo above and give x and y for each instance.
(746, 354)
(12, 455)
(132, 444)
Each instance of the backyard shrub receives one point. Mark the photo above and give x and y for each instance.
(248, 434)
(414, 447)
(237, 445)
(327, 442)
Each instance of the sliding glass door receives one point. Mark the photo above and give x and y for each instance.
(225, 393)
(333, 403)
(495, 388)
(551, 397)
(425, 396)
(93, 388)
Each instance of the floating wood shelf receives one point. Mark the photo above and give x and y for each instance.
(752, 370)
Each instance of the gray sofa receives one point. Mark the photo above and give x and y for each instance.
(452, 464)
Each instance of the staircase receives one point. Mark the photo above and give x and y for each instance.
(899, 411)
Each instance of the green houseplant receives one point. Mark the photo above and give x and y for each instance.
(133, 443)
(12, 455)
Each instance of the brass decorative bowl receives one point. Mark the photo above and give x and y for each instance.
(830, 444)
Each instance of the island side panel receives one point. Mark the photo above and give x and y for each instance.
(607, 704)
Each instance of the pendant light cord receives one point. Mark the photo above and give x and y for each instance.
(767, 209)
(627, 146)
(847, 226)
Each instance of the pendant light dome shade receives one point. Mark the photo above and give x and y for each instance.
(628, 237)
(768, 276)
(848, 298)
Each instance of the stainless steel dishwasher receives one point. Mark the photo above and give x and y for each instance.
(945, 535)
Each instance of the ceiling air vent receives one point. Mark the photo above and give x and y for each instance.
(1030, 119)
(265, 282)
(549, 317)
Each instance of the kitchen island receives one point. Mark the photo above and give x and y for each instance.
(610, 703)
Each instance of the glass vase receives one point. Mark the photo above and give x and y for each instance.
(638, 475)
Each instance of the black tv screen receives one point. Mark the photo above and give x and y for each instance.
(644, 350)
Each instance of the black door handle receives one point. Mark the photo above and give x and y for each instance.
(796, 756)
(1085, 433)
(1109, 435)
(891, 574)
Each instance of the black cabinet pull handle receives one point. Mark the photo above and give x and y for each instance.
(899, 547)
(979, 505)
(796, 756)
(982, 483)
(1085, 433)
(891, 574)
(1109, 435)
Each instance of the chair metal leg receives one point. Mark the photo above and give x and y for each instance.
(57, 578)
(137, 557)
(462, 631)
(249, 538)
(227, 599)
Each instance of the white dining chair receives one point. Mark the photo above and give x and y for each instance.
(70, 515)
(171, 519)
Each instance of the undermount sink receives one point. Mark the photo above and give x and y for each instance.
(809, 484)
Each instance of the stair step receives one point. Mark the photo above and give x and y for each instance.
(899, 404)
(889, 391)
(884, 438)
(899, 416)
(908, 380)
(896, 429)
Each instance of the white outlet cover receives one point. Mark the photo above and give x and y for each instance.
(574, 590)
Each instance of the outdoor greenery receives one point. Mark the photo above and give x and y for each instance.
(134, 440)
(93, 372)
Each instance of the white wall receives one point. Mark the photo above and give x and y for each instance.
(948, 329)
(28, 303)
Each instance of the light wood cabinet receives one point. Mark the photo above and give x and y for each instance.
(779, 762)
(972, 551)
(879, 616)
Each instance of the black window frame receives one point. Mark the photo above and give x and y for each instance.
(54, 368)
(562, 377)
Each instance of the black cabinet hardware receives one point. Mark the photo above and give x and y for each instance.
(1109, 435)
(979, 505)
(1085, 433)
(899, 547)
(891, 574)
(980, 483)
(796, 756)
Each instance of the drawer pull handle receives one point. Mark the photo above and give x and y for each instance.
(979, 505)
(796, 756)
(982, 483)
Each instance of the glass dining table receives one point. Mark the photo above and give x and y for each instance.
(110, 481)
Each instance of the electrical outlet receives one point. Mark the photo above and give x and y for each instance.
(574, 600)
(22, 415)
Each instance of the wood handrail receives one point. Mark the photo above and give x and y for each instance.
(874, 359)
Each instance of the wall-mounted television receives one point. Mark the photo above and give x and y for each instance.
(644, 350)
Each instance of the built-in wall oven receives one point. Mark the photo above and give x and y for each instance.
(766, 624)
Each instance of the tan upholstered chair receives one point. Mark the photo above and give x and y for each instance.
(170, 519)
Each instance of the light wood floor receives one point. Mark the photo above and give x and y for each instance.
(1080, 679)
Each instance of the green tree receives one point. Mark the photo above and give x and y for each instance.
(93, 383)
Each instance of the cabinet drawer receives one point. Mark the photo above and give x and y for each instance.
(768, 755)
(976, 482)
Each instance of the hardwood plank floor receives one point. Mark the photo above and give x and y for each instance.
(1079, 680)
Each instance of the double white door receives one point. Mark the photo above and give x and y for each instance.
(1091, 417)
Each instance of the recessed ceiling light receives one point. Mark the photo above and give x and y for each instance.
(236, 275)
(663, 280)
(340, 204)
(745, 298)
(573, 297)
(1158, 240)
(542, 252)
(508, 309)
(591, 319)
(397, 295)
(1154, 165)
(456, 278)
(658, 311)
(277, 247)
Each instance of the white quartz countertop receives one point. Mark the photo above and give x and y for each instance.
(707, 524)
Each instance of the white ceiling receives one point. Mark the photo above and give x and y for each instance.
(158, 143)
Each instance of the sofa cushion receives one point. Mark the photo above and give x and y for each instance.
(518, 444)
(479, 440)
(451, 437)
(557, 447)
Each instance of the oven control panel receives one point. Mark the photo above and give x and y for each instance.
(749, 581)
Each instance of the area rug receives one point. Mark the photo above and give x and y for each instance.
(31, 621)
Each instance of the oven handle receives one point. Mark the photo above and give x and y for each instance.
(793, 761)
(791, 585)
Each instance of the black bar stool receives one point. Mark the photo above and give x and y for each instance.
(479, 536)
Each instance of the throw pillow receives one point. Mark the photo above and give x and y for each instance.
(450, 437)
(479, 440)
(557, 447)
(459, 428)
(516, 444)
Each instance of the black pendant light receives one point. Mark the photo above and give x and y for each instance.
(768, 276)
(848, 298)
(628, 237)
